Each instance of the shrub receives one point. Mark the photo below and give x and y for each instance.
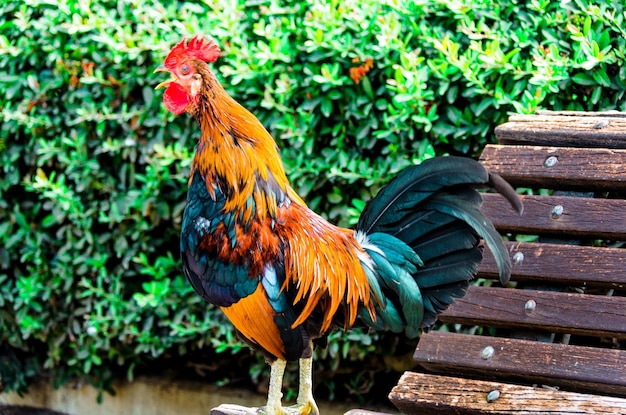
(94, 168)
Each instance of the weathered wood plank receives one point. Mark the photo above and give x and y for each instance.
(26, 410)
(557, 167)
(359, 411)
(564, 130)
(559, 312)
(569, 367)
(425, 394)
(231, 409)
(550, 113)
(559, 215)
(562, 264)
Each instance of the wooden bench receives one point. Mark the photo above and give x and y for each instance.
(560, 325)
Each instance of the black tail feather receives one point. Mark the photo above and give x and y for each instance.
(434, 210)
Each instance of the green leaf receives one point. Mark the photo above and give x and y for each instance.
(601, 77)
(367, 87)
(326, 107)
(584, 79)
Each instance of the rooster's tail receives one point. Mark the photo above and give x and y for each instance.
(422, 233)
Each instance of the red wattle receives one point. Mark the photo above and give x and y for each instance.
(176, 98)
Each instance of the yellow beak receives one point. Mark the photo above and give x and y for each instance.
(163, 84)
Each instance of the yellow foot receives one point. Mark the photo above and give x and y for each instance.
(306, 408)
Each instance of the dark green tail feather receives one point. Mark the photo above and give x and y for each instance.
(448, 269)
(444, 240)
(481, 225)
(433, 211)
(418, 183)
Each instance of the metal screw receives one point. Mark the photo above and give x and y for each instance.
(557, 211)
(487, 353)
(518, 258)
(530, 306)
(601, 124)
(551, 161)
(493, 396)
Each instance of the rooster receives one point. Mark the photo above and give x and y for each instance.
(283, 275)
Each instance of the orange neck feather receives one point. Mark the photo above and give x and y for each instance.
(236, 154)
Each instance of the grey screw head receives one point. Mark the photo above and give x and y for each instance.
(493, 396)
(557, 212)
(551, 161)
(487, 353)
(601, 124)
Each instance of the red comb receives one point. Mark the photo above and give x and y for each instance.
(197, 47)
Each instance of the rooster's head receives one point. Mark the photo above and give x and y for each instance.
(183, 63)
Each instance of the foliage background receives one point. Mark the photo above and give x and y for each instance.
(93, 168)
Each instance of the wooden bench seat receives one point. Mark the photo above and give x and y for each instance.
(554, 339)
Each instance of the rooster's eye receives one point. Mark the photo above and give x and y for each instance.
(184, 69)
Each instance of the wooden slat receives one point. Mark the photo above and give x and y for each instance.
(564, 130)
(557, 312)
(26, 410)
(359, 411)
(425, 394)
(570, 367)
(562, 264)
(558, 167)
(548, 113)
(581, 217)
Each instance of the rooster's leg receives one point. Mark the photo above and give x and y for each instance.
(275, 394)
(306, 404)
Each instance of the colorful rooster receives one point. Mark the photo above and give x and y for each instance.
(281, 273)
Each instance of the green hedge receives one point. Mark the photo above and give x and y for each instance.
(94, 168)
